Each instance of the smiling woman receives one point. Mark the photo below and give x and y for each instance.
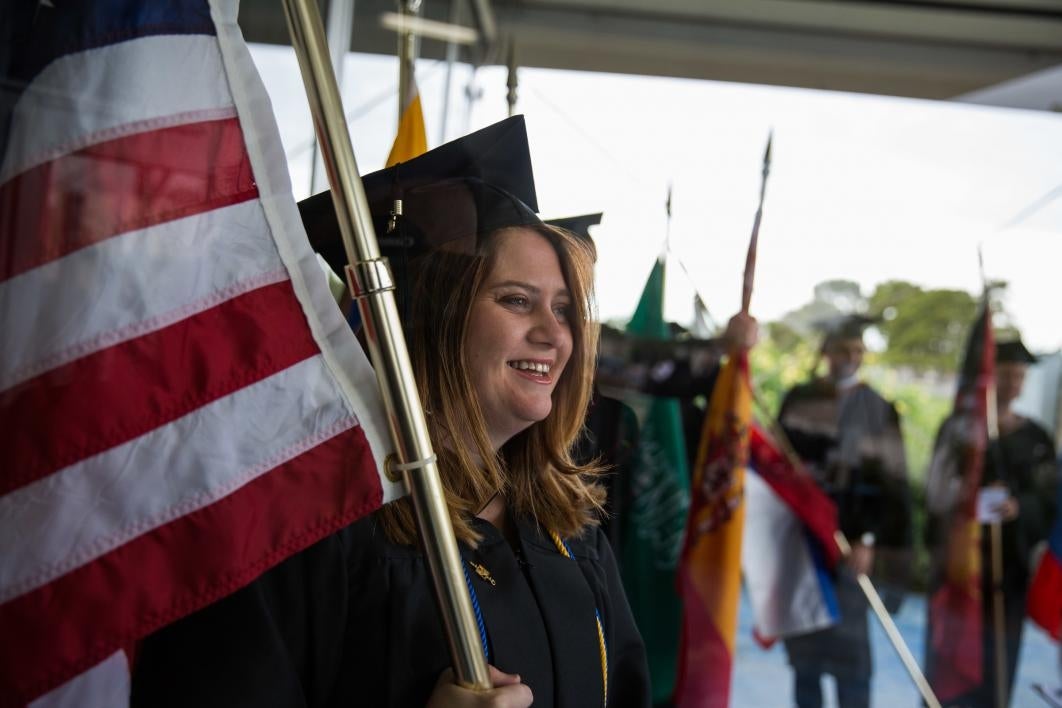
(498, 317)
(519, 337)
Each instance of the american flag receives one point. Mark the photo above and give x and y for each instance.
(181, 403)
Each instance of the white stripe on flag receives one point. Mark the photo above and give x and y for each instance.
(68, 519)
(780, 574)
(104, 93)
(131, 285)
(345, 358)
(105, 685)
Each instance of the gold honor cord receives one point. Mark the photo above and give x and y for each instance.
(563, 549)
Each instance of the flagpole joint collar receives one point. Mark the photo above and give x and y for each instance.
(369, 277)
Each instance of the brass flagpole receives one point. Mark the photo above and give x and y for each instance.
(407, 57)
(370, 281)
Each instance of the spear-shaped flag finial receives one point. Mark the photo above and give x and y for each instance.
(750, 260)
(667, 208)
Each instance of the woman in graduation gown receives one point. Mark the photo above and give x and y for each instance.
(497, 310)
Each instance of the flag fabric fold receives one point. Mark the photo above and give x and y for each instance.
(789, 553)
(1045, 590)
(182, 405)
(709, 576)
(954, 645)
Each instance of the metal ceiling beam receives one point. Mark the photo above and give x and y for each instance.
(918, 48)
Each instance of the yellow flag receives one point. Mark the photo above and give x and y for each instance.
(411, 140)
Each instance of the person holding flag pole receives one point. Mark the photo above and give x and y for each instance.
(499, 323)
(992, 470)
(712, 556)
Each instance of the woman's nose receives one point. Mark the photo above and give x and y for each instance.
(547, 328)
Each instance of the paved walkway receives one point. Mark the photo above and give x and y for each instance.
(762, 678)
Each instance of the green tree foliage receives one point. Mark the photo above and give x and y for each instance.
(782, 359)
(925, 329)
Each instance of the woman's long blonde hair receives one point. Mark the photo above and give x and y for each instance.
(534, 470)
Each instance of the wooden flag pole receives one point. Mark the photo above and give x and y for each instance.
(999, 627)
(750, 258)
(370, 280)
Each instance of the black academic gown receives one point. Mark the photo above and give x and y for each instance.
(351, 621)
(610, 437)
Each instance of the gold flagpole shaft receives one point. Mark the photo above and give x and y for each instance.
(407, 56)
(387, 346)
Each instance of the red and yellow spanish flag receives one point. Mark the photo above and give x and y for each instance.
(709, 574)
(412, 140)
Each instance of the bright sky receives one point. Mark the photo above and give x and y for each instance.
(862, 187)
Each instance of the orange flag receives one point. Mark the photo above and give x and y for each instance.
(710, 565)
(412, 140)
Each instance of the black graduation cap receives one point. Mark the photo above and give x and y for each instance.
(578, 225)
(1013, 352)
(844, 327)
(450, 197)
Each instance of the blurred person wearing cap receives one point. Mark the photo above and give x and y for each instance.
(497, 310)
(1018, 483)
(849, 438)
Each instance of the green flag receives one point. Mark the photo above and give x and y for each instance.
(656, 518)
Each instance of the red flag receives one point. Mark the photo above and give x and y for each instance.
(955, 643)
(181, 403)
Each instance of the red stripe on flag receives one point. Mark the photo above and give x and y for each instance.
(799, 492)
(67, 626)
(704, 662)
(125, 391)
(120, 185)
(956, 645)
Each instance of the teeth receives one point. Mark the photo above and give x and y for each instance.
(530, 366)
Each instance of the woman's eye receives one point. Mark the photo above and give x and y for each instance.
(562, 311)
(516, 300)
